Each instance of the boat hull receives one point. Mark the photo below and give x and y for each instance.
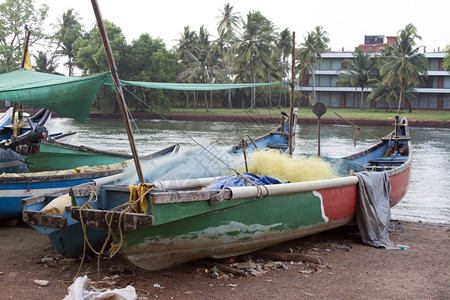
(15, 189)
(239, 227)
(12, 162)
(59, 156)
(275, 213)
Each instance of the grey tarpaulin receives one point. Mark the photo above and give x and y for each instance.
(373, 209)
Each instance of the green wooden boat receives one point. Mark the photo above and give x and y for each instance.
(184, 222)
(53, 155)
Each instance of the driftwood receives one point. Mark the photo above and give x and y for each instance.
(222, 267)
(288, 256)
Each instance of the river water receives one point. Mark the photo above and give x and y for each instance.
(428, 196)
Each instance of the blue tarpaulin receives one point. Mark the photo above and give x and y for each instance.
(244, 179)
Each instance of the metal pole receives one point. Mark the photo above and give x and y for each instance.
(291, 115)
(318, 136)
(117, 88)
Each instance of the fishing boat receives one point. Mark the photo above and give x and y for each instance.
(67, 235)
(17, 186)
(180, 221)
(15, 138)
(5, 119)
(54, 155)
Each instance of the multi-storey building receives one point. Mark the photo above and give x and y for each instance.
(433, 94)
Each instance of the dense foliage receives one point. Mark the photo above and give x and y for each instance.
(249, 49)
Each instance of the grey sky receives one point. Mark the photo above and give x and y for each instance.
(346, 21)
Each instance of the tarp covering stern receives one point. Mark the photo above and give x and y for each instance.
(69, 96)
(373, 209)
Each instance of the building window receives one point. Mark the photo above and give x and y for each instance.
(433, 101)
(446, 83)
(325, 64)
(426, 101)
(335, 100)
(333, 80)
(434, 64)
(430, 82)
(336, 64)
(349, 100)
(324, 80)
(446, 101)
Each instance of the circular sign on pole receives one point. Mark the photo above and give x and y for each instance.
(319, 109)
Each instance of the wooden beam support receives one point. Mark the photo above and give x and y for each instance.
(98, 219)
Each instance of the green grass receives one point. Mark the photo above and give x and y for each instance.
(369, 114)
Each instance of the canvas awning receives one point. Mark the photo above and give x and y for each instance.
(69, 96)
(73, 96)
(195, 86)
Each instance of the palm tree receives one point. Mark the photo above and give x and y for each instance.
(204, 66)
(186, 49)
(227, 27)
(310, 52)
(69, 30)
(229, 22)
(359, 72)
(390, 94)
(253, 51)
(43, 64)
(403, 63)
(447, 58)
(186, 45)
(284, 45)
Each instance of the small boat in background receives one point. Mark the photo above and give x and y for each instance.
(5, 119)
(53, 155)
(18, 136)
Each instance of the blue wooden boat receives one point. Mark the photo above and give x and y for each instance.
(17, 186)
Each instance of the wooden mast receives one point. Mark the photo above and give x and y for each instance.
(117, 88)
(291, 104)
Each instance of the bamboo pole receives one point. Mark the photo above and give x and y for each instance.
(291, 115)
(117, 88)
(19, 107)
(25, 46)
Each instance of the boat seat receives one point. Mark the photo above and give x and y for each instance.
(395, 159)
(277, 146)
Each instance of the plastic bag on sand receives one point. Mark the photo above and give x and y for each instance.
(80, 290)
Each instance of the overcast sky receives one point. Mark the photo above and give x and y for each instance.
(346, 21)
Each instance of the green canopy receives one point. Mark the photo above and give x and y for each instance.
(195, 86)
(73, 96)
(69, 96)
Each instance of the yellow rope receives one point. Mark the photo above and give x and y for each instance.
(137, 203)
(17, 126)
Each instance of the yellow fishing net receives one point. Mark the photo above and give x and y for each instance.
(285, 168)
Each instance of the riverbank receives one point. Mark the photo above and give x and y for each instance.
(249, 118)
(272, 118)
(349, 270)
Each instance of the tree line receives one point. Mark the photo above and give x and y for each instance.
(248, 49)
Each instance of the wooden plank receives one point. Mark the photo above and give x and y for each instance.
(44, 219)
(97, 219)
(188, 196)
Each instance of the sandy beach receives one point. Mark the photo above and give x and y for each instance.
(348, 269)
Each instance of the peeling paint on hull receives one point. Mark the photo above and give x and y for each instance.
(257, 223)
